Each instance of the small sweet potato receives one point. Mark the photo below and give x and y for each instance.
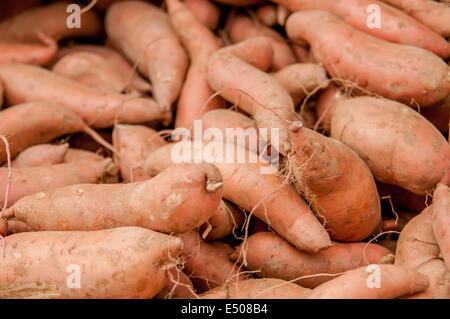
(39, 155)
(205, 11)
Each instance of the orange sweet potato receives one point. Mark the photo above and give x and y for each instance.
(39, 155)
(127, 262)
(267, 14)
(395, 25)
(153, 37)
(385, 134)
(24, 83)
(395, 71)
(276, 258)
(227, 219)
(205, 11)
(76, 155)
(178, 286)
(201, 44)
(326, 172)
(441, 220)
(167, 203)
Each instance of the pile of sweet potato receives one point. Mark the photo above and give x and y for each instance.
(351, 97)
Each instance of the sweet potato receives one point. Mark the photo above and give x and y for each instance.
(395, 281)
(275, 202)
(240, 3)
(224, 222)
(439, 114)
(178, 286)
(201, 43)
(241, 27)
(30, 180)
(135, 143)
(254, 91)
(222, 120)
(326, 172)
(127, 262)
(39, 155)
(384, 134)
(266, 288)
(395, 71)
(276, 258)
(418, 250)
(324, 106)
(205, 11)
(441, 220)
(76, 155)
(51, 20)
(153, 38)
(34, 123)
(29, 53)
(92, 70)
(9, 8)
(167, 203)
(401, 198)
(434, 15)
(121, 65)
(267, 14)
(207, 265)
(24, 83)
(302, 79)
(396, 26)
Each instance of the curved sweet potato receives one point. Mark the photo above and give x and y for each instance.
(201, 44)
(395, 71)
(396, 26)
(253, 90)
(39, 155)
(167, 203)
(326, 172)
(30, 180)
(24, 83)
(51, 20)
(29, 53)
(434, 15)
(384, 134)
(301, 79)
(241, 27)
(275, 202)
(276, 258)
(135, 143)
(127, 262)
(206, 264)
(205, 11)
(153, 37)
(395, 281)
(266, 288)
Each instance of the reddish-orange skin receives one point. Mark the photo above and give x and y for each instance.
(384, 134)
(267, 14)
(205, 11)
(276, 258)
(201, 44)
(301, 79)
(29, 53)
(400, 197)
(439, 114)
(207, 265)
(154, 46)
(10, 8)
(265, 99)
(121, 65)
(395, 281)
(30, 180)
(178, 286)
(227, 219)
(241, 28)
(127, 262)
(434, 15)
(325, 104)
(240, 3)
(396, 26)
(167, 203)
(398, 72)
(417, 249)
(265, 288)
(76, 155)
(51, 20)
(24, 83)
(135, 143)
(34, 123)
(441, 220)
(39, 155)
(326, 172)
(275, 202)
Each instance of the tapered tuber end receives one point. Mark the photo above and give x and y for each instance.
(214, 180)
(3, 227)
(296, 126)
(212, 187)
